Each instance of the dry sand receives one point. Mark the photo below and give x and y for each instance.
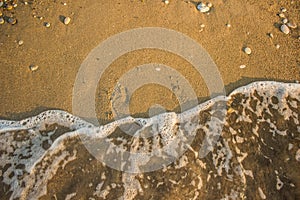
(60, 49)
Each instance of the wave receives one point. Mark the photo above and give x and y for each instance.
(219, 147)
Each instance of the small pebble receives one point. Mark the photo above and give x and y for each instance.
(203, 8)
(285, 20)
(281, 15)
(67, 20)
(228, 25)
(297, 156)
(12, 20)
(9, 7)
(283, 10)
(26, 3)
(285, 29)
(242, 66)
(292, 25)
(166, 2)
(33, 67)
(1, 3)
(277, 46)
(247, 50)
(64, 4)
(271, 35)
(1, 20)
(202, 25)
(47, 24)
(20, 42)
(209, 5)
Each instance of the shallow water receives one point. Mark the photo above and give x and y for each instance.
(245, 145)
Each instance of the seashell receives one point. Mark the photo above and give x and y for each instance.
(247, 50)
(67, 20)
(1, 20)
(285, 29)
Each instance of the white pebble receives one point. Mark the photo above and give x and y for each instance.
(279, 184)
(292, 25)
(67, 20)
(261, 193)
(277, 46)
(281, 15)
(209, 5)
(242, 66)
(47, 24)
(33, 67)
(285, 29)
(166, 2)
(285, 20)
(20, 42)
(228, 25)
(1, 20)
(203, 8)
(247, 50)
(283, 10)
(271, 35)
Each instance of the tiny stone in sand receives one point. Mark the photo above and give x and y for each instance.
(202, 7)
(33, 67)
(12, 20)
(20, 42)
(47, 24)
(285, 29)
(285, 20)
(242, 66)
(1, 20)
(247, 50)
(292, 25)
(67, 20)
(277, 46)
(283, 10)
(271, 35)
(166, 2)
